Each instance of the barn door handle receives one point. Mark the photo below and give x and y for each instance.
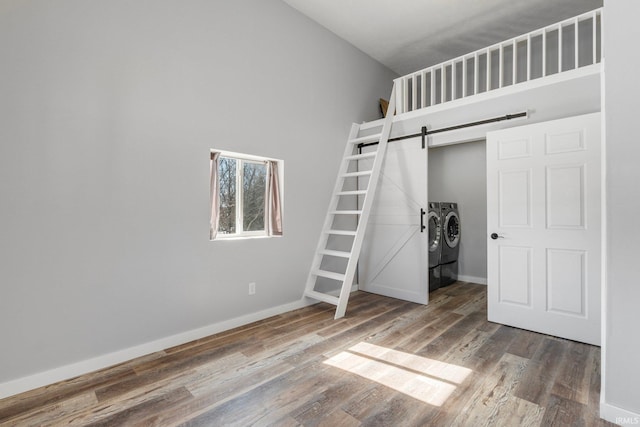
(422, 226)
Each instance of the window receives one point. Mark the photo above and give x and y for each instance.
(245, 195)
(243, 185)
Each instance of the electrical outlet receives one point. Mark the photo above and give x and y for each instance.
(252, 288)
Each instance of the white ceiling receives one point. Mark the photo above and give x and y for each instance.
(408, 35)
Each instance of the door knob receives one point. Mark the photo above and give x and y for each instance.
(496, 236)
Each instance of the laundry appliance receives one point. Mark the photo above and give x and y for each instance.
(450, 246)
(434, 222)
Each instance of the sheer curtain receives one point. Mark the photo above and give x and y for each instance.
(215, 195)
(274, 200)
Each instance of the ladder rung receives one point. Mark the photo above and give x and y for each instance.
(341, 254)
(366, 139)
(341, 232)
(361, 156)
(329, 275)
(352, 174)
(345, 212)
(322, 297)
(351, 193)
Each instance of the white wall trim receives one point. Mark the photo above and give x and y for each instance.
(604, 244)
(472, 279)
(618, 416)
(72, 370)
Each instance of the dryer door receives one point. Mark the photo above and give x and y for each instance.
(452, 229)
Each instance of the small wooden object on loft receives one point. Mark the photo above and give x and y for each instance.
(384, 106)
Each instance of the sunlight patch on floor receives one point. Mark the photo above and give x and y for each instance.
(427, 380)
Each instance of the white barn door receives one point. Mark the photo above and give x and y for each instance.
(543, 214)
(394, 257)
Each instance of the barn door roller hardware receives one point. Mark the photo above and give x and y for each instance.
(424, 132)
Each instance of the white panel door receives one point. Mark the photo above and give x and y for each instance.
(543, 214)
(394, 257)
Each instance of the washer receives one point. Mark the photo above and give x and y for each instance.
(434, 224)
(451, 232)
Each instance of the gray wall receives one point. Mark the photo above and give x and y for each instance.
(458, 173)
(622, 315)
(108, 111)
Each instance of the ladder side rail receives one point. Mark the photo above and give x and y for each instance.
(366, 208)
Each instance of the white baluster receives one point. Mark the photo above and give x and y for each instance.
(405, 94)
(423, 90)
(433, 86)
(559, 48)
(443, 84)
(476, 76)
(500, 66)
(544, 52)
(577, 45)
(529, 65)
(515, 57)
(594, 24)
(464, 77)
(414, 92)
(488, 55)
(454, 80)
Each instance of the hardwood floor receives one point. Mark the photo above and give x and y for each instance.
(387, 363)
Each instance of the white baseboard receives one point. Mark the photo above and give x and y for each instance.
(472, 279)
(66, 372)
(618, 416)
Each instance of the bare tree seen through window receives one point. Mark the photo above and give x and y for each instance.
(253, 192)
(227, 176)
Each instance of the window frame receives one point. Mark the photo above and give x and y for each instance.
(241, 159)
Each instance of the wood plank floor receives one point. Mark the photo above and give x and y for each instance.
(387, 363)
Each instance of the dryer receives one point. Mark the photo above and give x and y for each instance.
(434, 224)
(451, 232)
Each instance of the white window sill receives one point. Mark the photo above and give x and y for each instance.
(221, 239)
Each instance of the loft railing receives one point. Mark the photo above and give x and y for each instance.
(557, 48)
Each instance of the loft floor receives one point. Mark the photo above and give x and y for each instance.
(387, 363)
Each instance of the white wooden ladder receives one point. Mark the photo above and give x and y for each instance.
(362, 213)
